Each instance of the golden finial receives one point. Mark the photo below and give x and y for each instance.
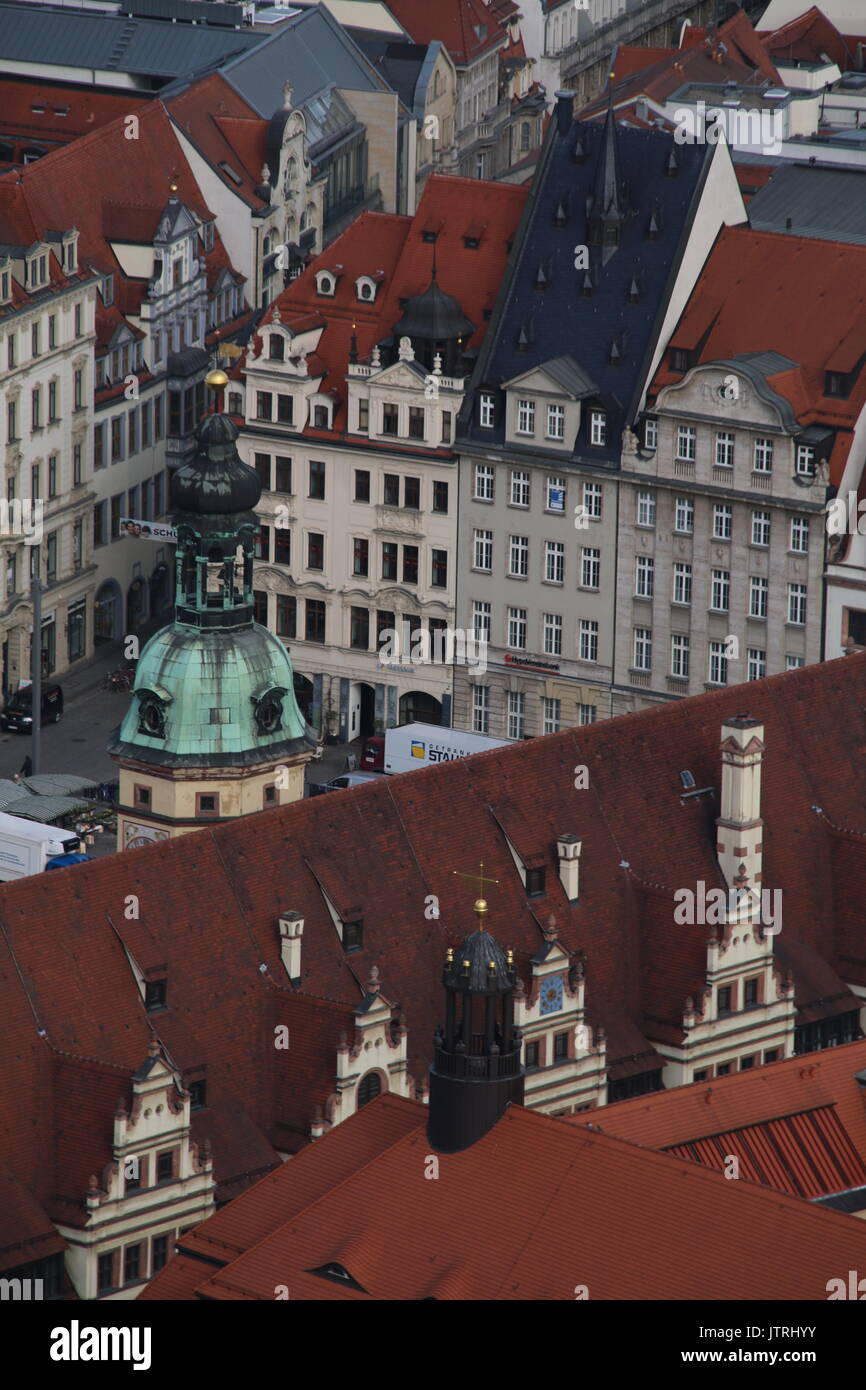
(480, 902)
(216, 379)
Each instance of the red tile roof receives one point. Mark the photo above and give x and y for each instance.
(533, 1210)
(392, 248)
(84, 110)
(807, 38)
(798, 1126)
(225, 129)
(749, 298)
(467, 28)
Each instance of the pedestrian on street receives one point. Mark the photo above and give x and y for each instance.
(26, 767)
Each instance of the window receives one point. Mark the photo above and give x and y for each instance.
(793, 663)
(361, 556)
(165, 1166)
(760, 528)
(10, 350)
(52, 476)
(556, 422)
(34, 339)
(481, 709)
(314, 630)
(555, 494)
(446, 426)
(481, 621)
(763, 456)
(804, 460)
(684, 516)
(159, 1254)
(283, 482)
(371, 1086)
(519, 488)
(750, 996)
(208, 803)
(686, 443)
(516, 713)
(117, 438)
(440, 496)
(317, 481)
(592, 500)
(52, 401)
(721, 591)
(362, 485)
(262, 465)
(391, 484)
(389, 560)
(552, 634)
(800, 534)
(412, 493)
(315, 551)
(99, 523)
(262, 544)
(410, 564)
(531, 1055)
(11, 421)
(758, 592)
(359, 635)
(518, 556)
(724, 1000)
(560, 1047)
(651, 434)
(525, 417)
(597, 427)
(285, 410)
(390, 419)
(439, 575)
(551, 710)
(482, 558)
(416, 422)
(51, 558)
(277, 347)
(836, 384)
(105, 1272)
(36, 408)
(588, 639)
(77, 555)
(722, 520)
(797, 604)
(516, 636)
(586, 714)
(679, 655)
(646, 509)
(264, 406)
(642, 649)
(145, 425)
(286, 615)
(682, 583)
(644, 574)
(746, 1063)
(483, 482)
(363, 417)
(132, 430)
(486, 410)
(724, 449)
(756, 665)
(718, 665)
(724, 1069)
(282, 547)
(554, 562)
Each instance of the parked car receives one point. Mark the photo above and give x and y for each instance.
(18, 712)
(346, 779)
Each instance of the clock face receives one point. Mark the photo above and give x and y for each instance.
(551, 995)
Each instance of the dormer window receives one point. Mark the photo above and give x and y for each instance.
(597, 427)
(70, 254)
(534, 882)
(5, 286)
(277, 348)
(325, 283)
(154, 995)
(207, 235)
(321, 417)
(37, 272)
(107, 290)
(837, 384)
(365, 288)
(680, 359)
(353, 935)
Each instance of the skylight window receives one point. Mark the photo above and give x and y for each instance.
(232, 173)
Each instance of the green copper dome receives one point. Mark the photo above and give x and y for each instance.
(214, 688)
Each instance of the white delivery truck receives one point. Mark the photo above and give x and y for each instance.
(424, 745)
(26, 846)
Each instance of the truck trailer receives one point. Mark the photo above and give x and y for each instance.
(422, 745)
(27, 846)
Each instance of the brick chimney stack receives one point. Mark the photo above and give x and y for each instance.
(739, 828)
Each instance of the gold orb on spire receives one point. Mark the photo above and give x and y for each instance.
(216, 379)
(480, 908)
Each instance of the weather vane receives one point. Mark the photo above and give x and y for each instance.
(480, 902)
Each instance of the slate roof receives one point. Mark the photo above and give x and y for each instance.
(576, 1208)
(561, 318)
(750, 299)
(798, 1126)
(118, 43)
(821, 201)
(400, 63)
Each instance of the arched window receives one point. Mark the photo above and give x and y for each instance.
(369, 1088)
(278, 345)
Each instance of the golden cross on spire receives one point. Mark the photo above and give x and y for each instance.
(480, 902)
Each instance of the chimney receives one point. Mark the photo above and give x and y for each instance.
(739, 828)
(291, 926)
(564, 111)
(568, 849)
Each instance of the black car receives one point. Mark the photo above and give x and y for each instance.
(18, 712)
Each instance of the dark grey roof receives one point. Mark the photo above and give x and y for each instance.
(591, 316)
(312, 52)
(820, 201)
(400, 63)
(471, 967)
(566, 373)
(144, 47)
